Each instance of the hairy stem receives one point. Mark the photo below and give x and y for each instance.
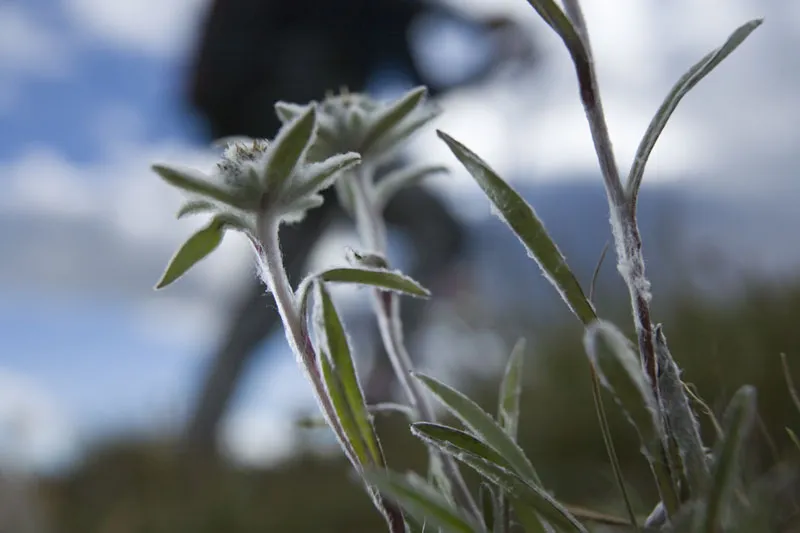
(372, 231)
(274, 275)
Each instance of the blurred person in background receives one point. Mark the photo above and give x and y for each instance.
(253, 53)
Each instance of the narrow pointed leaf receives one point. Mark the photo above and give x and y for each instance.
(555, 17)
(391, 116)
(322, 175)
(196, 248)
(342, 361)
(405, 130)
(480, 457)
(621, 373)
(195, 182)
(692, 77)
(483, 425)
(195, 207)
(288, 148)
(521, 217)
(511, 390)
(387, 187)
(681, 419)
(346, 419)
(379, 278)
(422, 502)
(297, 210)
(287, 111)
(737, 422)
(488, 505)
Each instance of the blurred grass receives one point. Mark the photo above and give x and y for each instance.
(129, 487)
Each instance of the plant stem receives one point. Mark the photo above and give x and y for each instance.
(274, 275)
(372, 231)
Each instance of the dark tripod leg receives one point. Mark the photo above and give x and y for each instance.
(255, 319)
(437, 240)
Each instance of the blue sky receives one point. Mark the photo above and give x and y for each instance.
(90, 97)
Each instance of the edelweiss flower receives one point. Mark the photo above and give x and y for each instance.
(255, 182)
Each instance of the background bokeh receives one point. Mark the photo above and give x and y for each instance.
(97, 371)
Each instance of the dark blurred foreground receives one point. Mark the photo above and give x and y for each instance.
(147, 487)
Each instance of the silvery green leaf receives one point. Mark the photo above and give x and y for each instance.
(288, 147)
(692, 77)
(487, 462)
(194, 207)
(620, 372)
(511, 390)
(387, 187)
(512, 209)
(393, 140)
(483, 425)
(320, 176)
(555, 17)
(296, 211)
(488, 506)
(736, 421)
(681, 420)
(390, 116)
(287, 111)
(192, 181)
(422, 502)
(353, 396)
(196, 248)
(366, 260)
(380, 278)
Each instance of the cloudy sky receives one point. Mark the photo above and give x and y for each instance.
(90, 97)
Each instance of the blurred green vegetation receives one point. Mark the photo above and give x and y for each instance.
(720, 345)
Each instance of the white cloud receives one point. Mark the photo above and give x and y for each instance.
(34, 432)
(28, 49)
(162, 28)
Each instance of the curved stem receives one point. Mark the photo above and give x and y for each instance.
(372, 231)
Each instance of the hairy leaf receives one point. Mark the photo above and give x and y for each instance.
(288, 147)
(483, 425)
(522, 219)
(422, 502)
(391, 116)
(692, 77)
(196, 182)
(379, 278)
(196, 248)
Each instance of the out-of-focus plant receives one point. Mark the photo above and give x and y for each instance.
(260, 184)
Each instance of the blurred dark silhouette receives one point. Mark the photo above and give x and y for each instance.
(253, 53)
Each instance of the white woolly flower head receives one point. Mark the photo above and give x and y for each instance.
(255, 181)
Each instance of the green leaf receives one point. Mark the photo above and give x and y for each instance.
(511, 390)
(552, 14)
(793, 436)
(480, 457)
(681, 420)
(521, 217)
(736, 421)
(352, 396)
(322, 175)
(620, 372)
(483, 425)
(391, 116)
(692, 77)
(488, 504)
(193, 181)
(287, 111)
(195, 207)
(196, 248)
(287, 149)
(422, 502)
(386, 188)
(406, 129)
(380, 278)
